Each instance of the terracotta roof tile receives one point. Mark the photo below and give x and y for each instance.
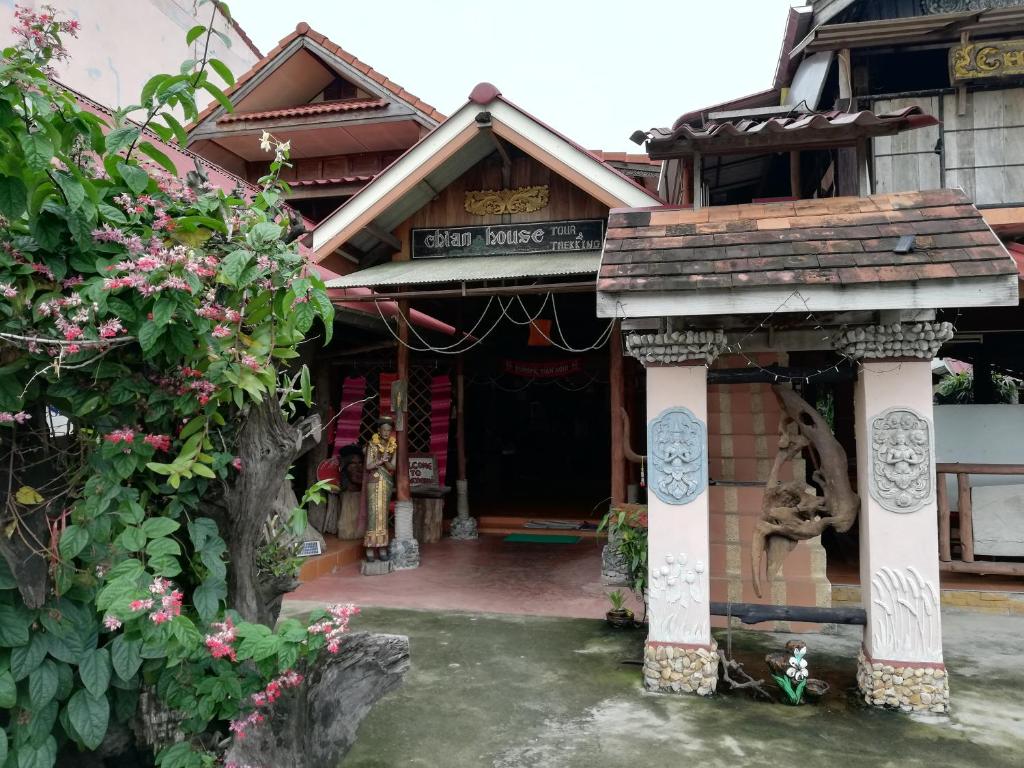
(832, 240)
(321, 108)
(304, 30)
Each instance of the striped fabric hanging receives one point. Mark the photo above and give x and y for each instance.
(440, 421)
(346, 432)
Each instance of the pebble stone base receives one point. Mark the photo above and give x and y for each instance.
(404, 554)
(463, 528)
(907, 689)
(672, 668)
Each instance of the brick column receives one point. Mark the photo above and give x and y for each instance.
(900, 665)
(680, 654)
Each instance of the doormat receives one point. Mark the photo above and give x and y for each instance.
(534, 538)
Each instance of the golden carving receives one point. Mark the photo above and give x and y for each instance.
(989, 59)
(490, 202)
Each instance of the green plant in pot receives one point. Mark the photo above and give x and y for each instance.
(619, 616)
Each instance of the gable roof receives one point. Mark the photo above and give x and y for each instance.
(325, 48)
(453, 147)
(840, 253)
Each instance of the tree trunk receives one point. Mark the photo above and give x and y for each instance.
(315, 725)
(268, 446)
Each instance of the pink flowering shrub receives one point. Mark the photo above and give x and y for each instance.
(151, 311)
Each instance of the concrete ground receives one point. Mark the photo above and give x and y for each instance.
(502, 691)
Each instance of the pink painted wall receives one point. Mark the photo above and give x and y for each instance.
(123, 43)
(899, 558)
(680, 613)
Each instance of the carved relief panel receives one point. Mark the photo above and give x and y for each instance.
(902, 476)
(677, 450)
(676, 586)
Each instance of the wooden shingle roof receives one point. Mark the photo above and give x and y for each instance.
(842, 241)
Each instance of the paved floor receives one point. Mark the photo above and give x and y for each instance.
(497, 691)
(488, 574)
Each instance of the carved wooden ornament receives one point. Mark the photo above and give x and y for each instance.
(491, 202)
(902, 476)
(677, 454)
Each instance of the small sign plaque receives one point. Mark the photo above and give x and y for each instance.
(988, 59)
(422, 469)
(502, 239)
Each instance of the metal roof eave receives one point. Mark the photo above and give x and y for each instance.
(472, 269)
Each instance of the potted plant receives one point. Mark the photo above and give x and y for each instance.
(619, 616)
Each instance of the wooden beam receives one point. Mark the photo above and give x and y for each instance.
(616, 404)
(980, 469)
(755, 613)
(687, 185)
(794, 174)
(998, 569)
(768, 374)
(963, 484)
(384, 237)
(698, 181)
(845, 75)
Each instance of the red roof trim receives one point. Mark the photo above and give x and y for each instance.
(320, 108)
(326, 182)
(304, 30)
(238, 28)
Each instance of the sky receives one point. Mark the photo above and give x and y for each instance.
(594, 69)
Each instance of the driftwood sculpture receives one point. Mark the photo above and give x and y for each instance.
(792, 511)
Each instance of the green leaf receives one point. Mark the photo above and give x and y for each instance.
(132, 539)
(179, 130)
(233, 265)
(25, 658)
(8, 690)
(221, 69)
(304, 315)
(95, 671)
(136, 178)
(150, 88)
(181, 339)
(7, 580)
(158, 527)
(165, 565)
(126, 656)
(38, 150)
(163, 311)
(43, 755)
(207, 598)
(124, 464)
(43, 684)
(149, 336)
(89, 716)
(218, 94)
(121, 138)
(13, 199)
(159, 157)
(159, 547)
(14, 626)
(3, 746)
(73, 541)
(72, 188)
(194, 34)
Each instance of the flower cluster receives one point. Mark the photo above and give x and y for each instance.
(335, 626)
(797, 670)
(262, 699)
(168, 601)
(219, 643)
(6, 417)
(38, 33)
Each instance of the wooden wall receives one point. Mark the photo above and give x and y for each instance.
(982, 150)
(565, 202)
(331, 167)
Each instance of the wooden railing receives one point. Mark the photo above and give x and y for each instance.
(967, 563)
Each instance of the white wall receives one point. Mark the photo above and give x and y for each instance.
(122, 43)
(980, 434)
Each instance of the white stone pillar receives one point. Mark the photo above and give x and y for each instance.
(680, 655)
(901, 664)
(404, 551)
(463, 526)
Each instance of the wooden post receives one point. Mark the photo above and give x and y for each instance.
(942, 501)
(863, 174)
(794, 174)
(402, 466)
(687, 185)
(617, 401)
(845, 76)
(963, 485)
(698, 182)
(460, 417)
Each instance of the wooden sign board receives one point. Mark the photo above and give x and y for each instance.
(988, 59)
(505, 239)
(422, 469)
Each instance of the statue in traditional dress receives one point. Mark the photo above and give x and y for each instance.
(381, 455)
